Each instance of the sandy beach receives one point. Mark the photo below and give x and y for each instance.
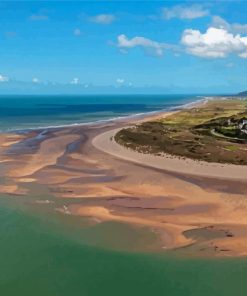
(106, 143)
(196, 208)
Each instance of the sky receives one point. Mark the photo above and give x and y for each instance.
(123, 47)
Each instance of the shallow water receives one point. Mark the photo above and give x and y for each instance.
(44, 254)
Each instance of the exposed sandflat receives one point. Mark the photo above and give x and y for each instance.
(85, 166)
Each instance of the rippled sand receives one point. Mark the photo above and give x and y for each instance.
(108, 187)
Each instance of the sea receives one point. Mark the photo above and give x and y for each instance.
(47, 253)
(29, 112)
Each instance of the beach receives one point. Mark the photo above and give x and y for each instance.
(123, 148)
(192, 207)
(169, 163)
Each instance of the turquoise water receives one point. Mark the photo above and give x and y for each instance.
(40, 256)
(21, 112)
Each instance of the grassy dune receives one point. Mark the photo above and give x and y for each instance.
(210, 133)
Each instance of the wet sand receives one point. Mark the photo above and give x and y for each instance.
(94, 182)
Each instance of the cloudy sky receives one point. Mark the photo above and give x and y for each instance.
(123, 46)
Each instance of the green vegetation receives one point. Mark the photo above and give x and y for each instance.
(214, 132)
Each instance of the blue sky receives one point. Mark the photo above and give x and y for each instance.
(123, 46)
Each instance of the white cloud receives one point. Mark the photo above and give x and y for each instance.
(77, 32)
(214, 43)
(243, 54)
(38, 17)
(151, 46)
(104, 19)
(4, 78)
(185, 12)
(35, 80)
(120, 80)
(75, 81)
(219, 22)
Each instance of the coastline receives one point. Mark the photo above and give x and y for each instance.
(82, 180)
(119, 119)
(170, 163)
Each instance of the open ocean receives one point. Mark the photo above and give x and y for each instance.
(22, 112)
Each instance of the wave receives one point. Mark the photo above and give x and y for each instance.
(199, 101)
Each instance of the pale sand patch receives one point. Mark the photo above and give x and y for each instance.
(106, 143)
(172, 236)
(7, 140)
(50, 150)
(5, 160)
(12, 189)
(9, 143)
(26, 180)
(8, 188)
(156, 116)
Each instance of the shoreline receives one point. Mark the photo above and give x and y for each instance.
(136, 116)
(169, 163)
